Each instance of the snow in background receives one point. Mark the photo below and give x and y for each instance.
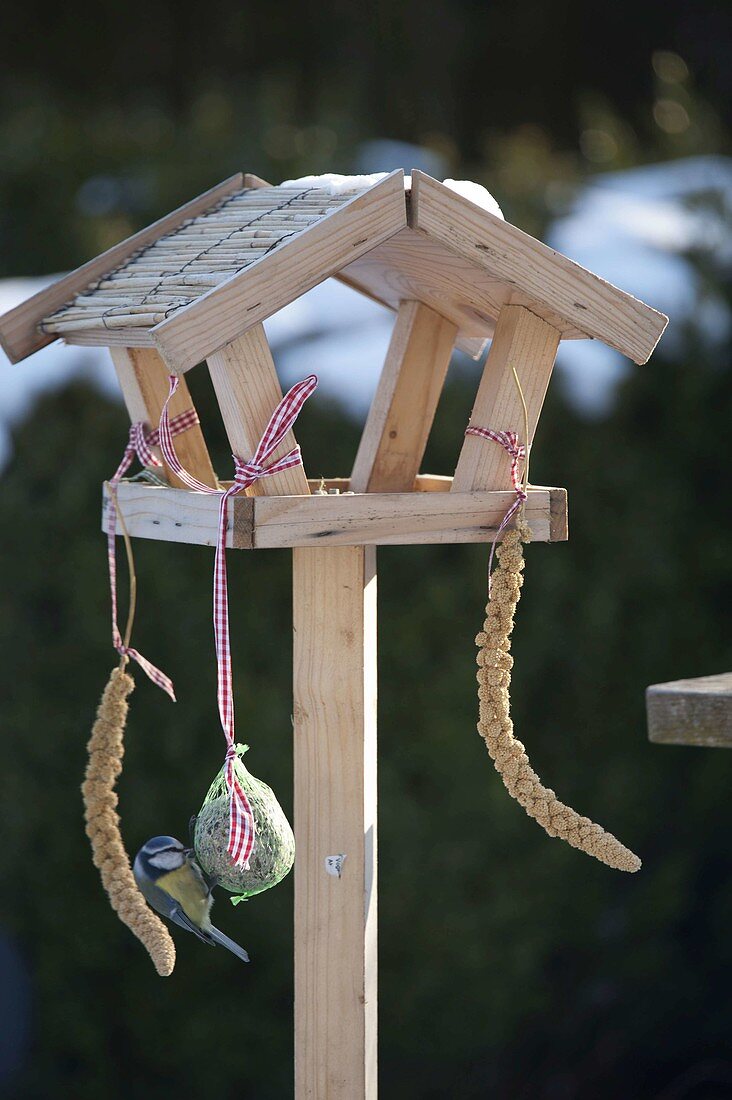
(638, 229)
(635, 228)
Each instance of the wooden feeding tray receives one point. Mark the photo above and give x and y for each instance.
(430, 514)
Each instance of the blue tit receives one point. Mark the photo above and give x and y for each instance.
(171, 882)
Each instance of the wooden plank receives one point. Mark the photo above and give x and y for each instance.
(384, 519)
(394, 519)
(110, 338)
(597, 308)
(309, 257)
(432, 483)
(558, 515)
(248, 391)
(19, 333)
(143, 378)
(691, 712)
(334, 624)
(529, 344)
(400, 418)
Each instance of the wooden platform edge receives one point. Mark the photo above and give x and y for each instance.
(691, 712)
(378, 519)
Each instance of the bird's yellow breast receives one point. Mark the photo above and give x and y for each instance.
(183, 885)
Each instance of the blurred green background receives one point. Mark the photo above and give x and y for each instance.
(510, 965)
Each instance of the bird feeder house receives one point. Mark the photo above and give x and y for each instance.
(195, 287)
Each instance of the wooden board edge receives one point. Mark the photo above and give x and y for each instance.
(558, 516)
(19, 333)
(437, 513)
(168, 334)
(695, 712)
(243, 527)
(177, 515)
(579, 314)
(250, 180)
(109, 338)
(16, 353)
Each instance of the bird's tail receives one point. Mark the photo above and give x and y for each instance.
(224, 941)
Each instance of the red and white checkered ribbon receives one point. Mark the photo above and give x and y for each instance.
(510, 442)
(139, 443)
(241, 818)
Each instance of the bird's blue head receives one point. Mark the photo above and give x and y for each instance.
(160, 855)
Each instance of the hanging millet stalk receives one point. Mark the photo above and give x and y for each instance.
(494, 677)
(104, 766)
(496, 728)
(106, 749)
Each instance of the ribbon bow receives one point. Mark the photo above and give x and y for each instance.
(142, 442)
(517, 452)
(241, 818)
(139, 443)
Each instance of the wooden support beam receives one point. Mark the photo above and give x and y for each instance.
(248, 391)
(529, 344)
(143, 378)
(383, 519)
(399, 421)
(691, 712)
(334, 600)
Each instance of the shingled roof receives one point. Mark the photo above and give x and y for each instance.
(205, 274)
(181, 266)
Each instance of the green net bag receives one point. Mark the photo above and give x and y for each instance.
(274, 845)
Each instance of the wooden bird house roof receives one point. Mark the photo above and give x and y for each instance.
(202, 276)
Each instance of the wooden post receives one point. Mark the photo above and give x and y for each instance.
(334, 598)
(521, 340)
(400, 418)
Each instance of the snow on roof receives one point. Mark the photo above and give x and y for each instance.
(343, 185)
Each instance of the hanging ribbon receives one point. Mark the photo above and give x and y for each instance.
(241, 818)
(139, 444)
(510, 443)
